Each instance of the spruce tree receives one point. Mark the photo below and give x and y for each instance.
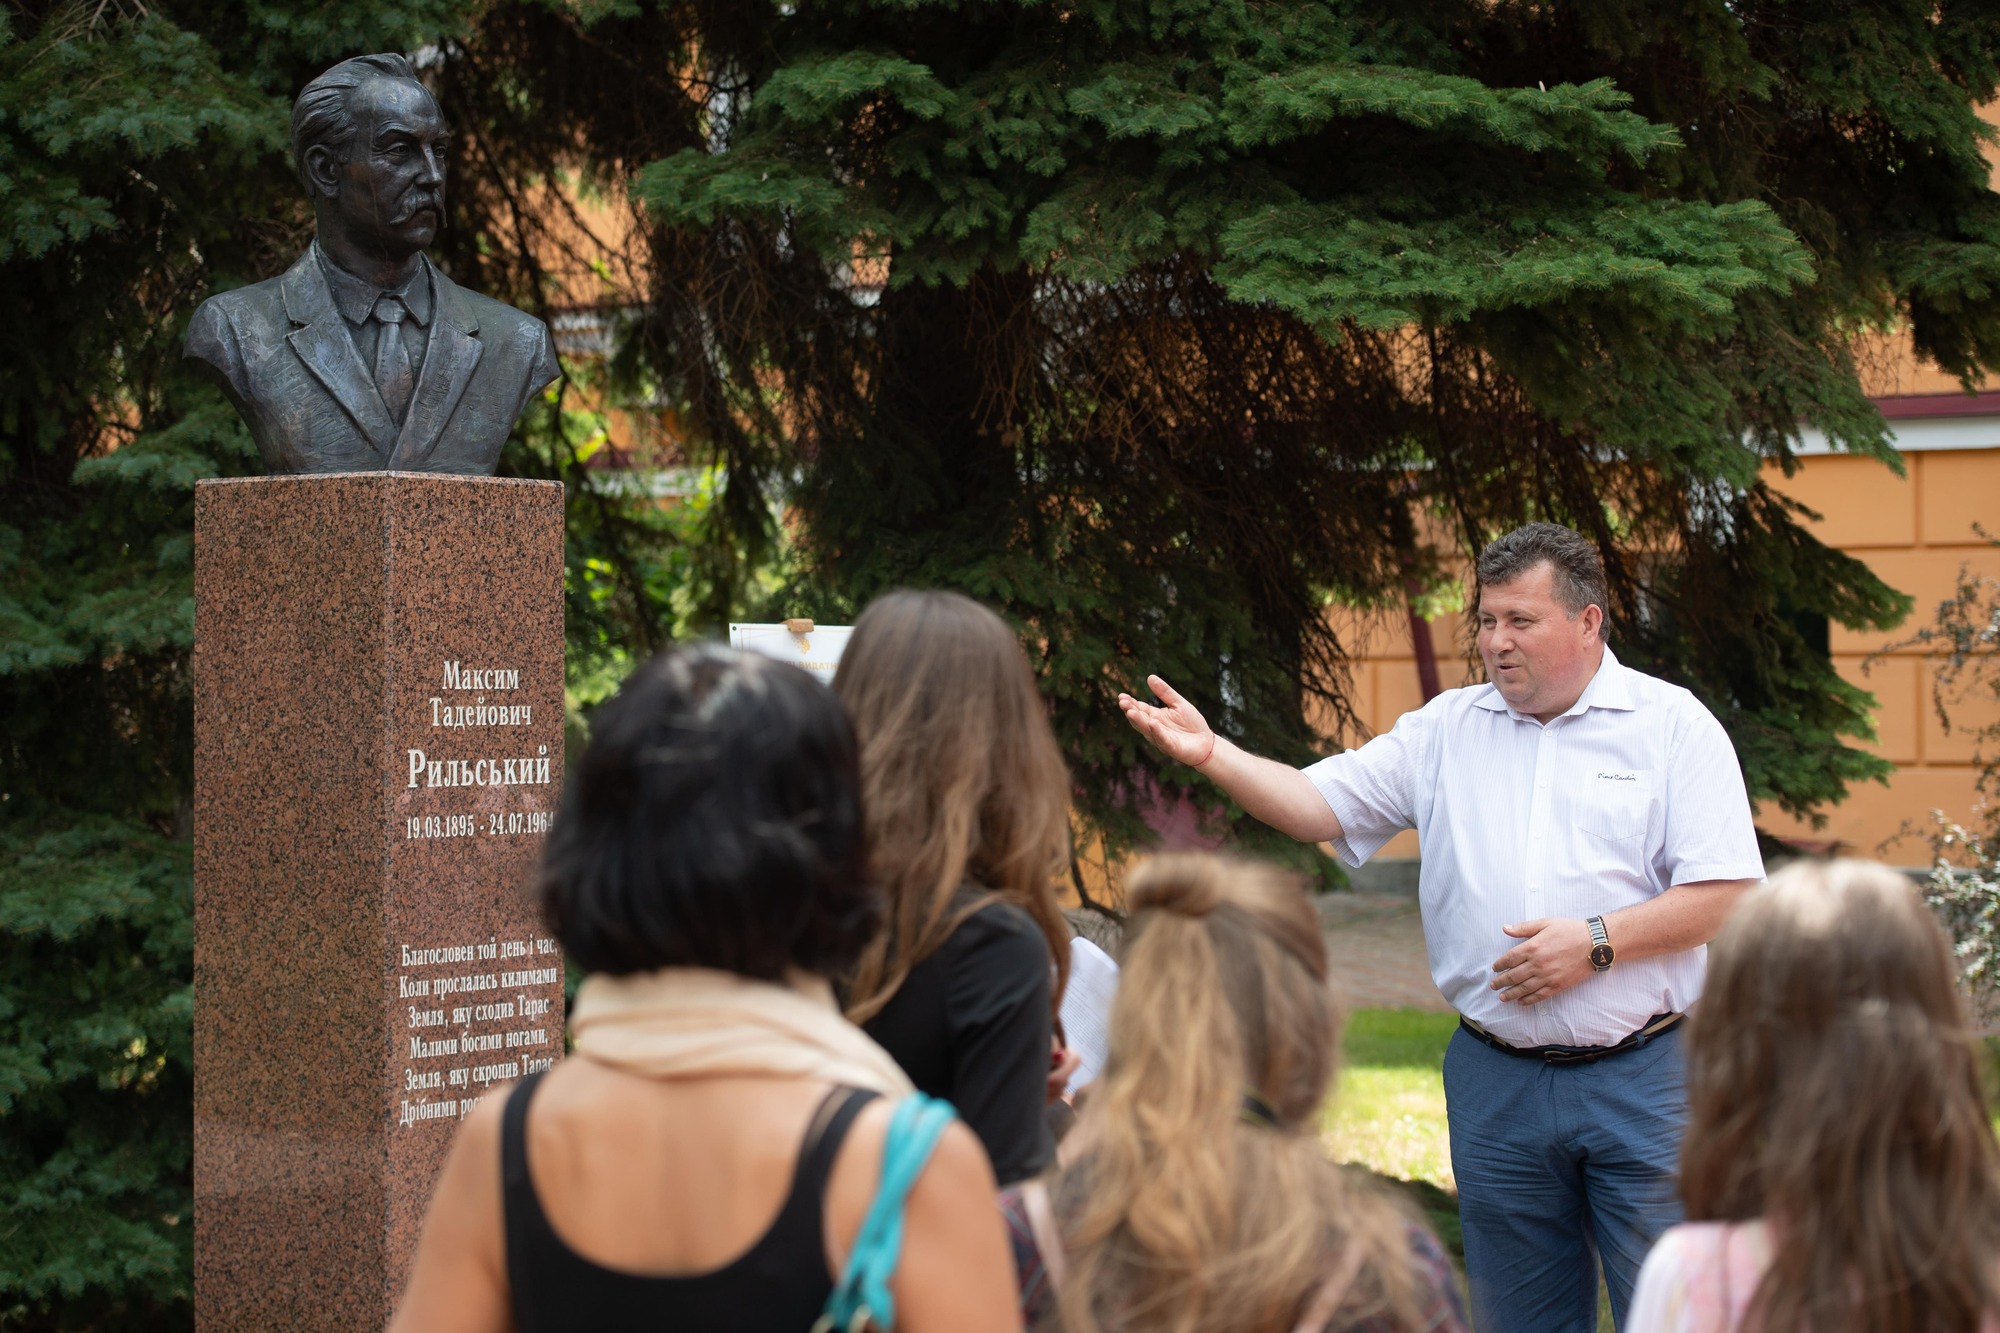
(144, 166)
(1186, 310)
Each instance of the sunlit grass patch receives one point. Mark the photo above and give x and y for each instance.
(1398, 1039)
(1388, 1113)
(1392, 1122)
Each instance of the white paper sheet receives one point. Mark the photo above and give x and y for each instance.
(1086, 1008)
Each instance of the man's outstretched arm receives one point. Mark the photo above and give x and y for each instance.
(1267, 790)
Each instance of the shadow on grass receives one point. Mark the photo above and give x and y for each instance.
(1438, 1209)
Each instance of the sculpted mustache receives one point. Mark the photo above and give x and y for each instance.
(418, 204)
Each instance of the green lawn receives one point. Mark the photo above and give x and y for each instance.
(1387, 1115)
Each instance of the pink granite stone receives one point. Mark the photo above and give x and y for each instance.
(378, 749)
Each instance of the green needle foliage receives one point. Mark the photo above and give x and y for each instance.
(1155, 323)
(143, 166)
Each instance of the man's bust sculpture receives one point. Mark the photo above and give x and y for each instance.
(363, 357)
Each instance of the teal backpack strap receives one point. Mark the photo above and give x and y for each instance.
(861, 1298)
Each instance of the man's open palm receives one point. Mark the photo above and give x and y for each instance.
(1177, 729)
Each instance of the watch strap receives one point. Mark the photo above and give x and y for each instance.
(1601, 955)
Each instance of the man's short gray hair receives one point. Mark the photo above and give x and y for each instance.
(320, 115)
(1572, 558)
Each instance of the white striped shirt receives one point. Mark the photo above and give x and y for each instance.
(1633, 790)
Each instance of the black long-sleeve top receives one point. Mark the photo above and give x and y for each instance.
(972, 1024)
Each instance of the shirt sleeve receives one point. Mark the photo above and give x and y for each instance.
(1372, 791)
(1709, 832)
(1002, 1029)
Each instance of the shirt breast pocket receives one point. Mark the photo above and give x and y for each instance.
(1615, 808)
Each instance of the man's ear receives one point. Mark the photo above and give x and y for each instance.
(1593, 620)
(323, 166)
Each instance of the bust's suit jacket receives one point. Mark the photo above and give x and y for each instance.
(285, 355)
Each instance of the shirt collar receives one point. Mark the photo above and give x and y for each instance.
(1608, 688)
(356, 298)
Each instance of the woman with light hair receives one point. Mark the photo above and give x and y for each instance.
(1840, 1170)
(1195, 1195)
(967, 802)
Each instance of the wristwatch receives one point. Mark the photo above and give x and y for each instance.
(1600, 945)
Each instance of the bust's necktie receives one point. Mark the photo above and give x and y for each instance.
(393, 373)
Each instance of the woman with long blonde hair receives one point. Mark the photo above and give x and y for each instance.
(1195, 1196)
(967, 804)
(1840, 1170)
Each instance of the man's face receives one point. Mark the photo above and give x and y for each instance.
(1537, 655)
(390, 188)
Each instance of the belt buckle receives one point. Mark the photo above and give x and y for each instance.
(1556, 1057)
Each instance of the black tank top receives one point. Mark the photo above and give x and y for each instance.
(779, 1284)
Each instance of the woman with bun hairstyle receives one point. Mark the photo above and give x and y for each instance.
(1195, 1196)
(967, 802)
(1840, 1170)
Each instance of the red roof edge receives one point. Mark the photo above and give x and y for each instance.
(1905, 405)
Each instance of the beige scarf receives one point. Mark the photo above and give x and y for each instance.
(695, 1022)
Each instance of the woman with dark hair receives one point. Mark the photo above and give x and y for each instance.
(706, 1158)
(968, 826)
(1840, 1170)
(1194, 1195)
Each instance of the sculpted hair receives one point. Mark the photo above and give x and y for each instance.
(1573, 559)
(963, 781)
(714, 821)
(320, 116)
(1180, 1214)
(1834, 1092)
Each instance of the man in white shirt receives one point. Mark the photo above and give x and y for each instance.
(1584, 830)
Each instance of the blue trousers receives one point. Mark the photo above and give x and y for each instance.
(1560, 1167)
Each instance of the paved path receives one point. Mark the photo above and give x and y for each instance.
(1375, 941)
(1376, 945)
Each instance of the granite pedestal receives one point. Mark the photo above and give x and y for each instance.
(378, 673)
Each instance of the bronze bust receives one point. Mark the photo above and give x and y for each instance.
(362, 357)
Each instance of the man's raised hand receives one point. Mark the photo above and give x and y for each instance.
(1278, 794)
(1178, 729)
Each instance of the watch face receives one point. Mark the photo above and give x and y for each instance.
(1600, 956)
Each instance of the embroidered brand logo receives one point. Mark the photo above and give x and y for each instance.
(1619, 777)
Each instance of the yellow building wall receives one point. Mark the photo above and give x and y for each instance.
(1916, 532)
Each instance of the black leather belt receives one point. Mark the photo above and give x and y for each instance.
(1575, 1055)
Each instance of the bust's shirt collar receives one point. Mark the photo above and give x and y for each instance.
(355, 298)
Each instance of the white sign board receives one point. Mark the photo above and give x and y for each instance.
(817, 648)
